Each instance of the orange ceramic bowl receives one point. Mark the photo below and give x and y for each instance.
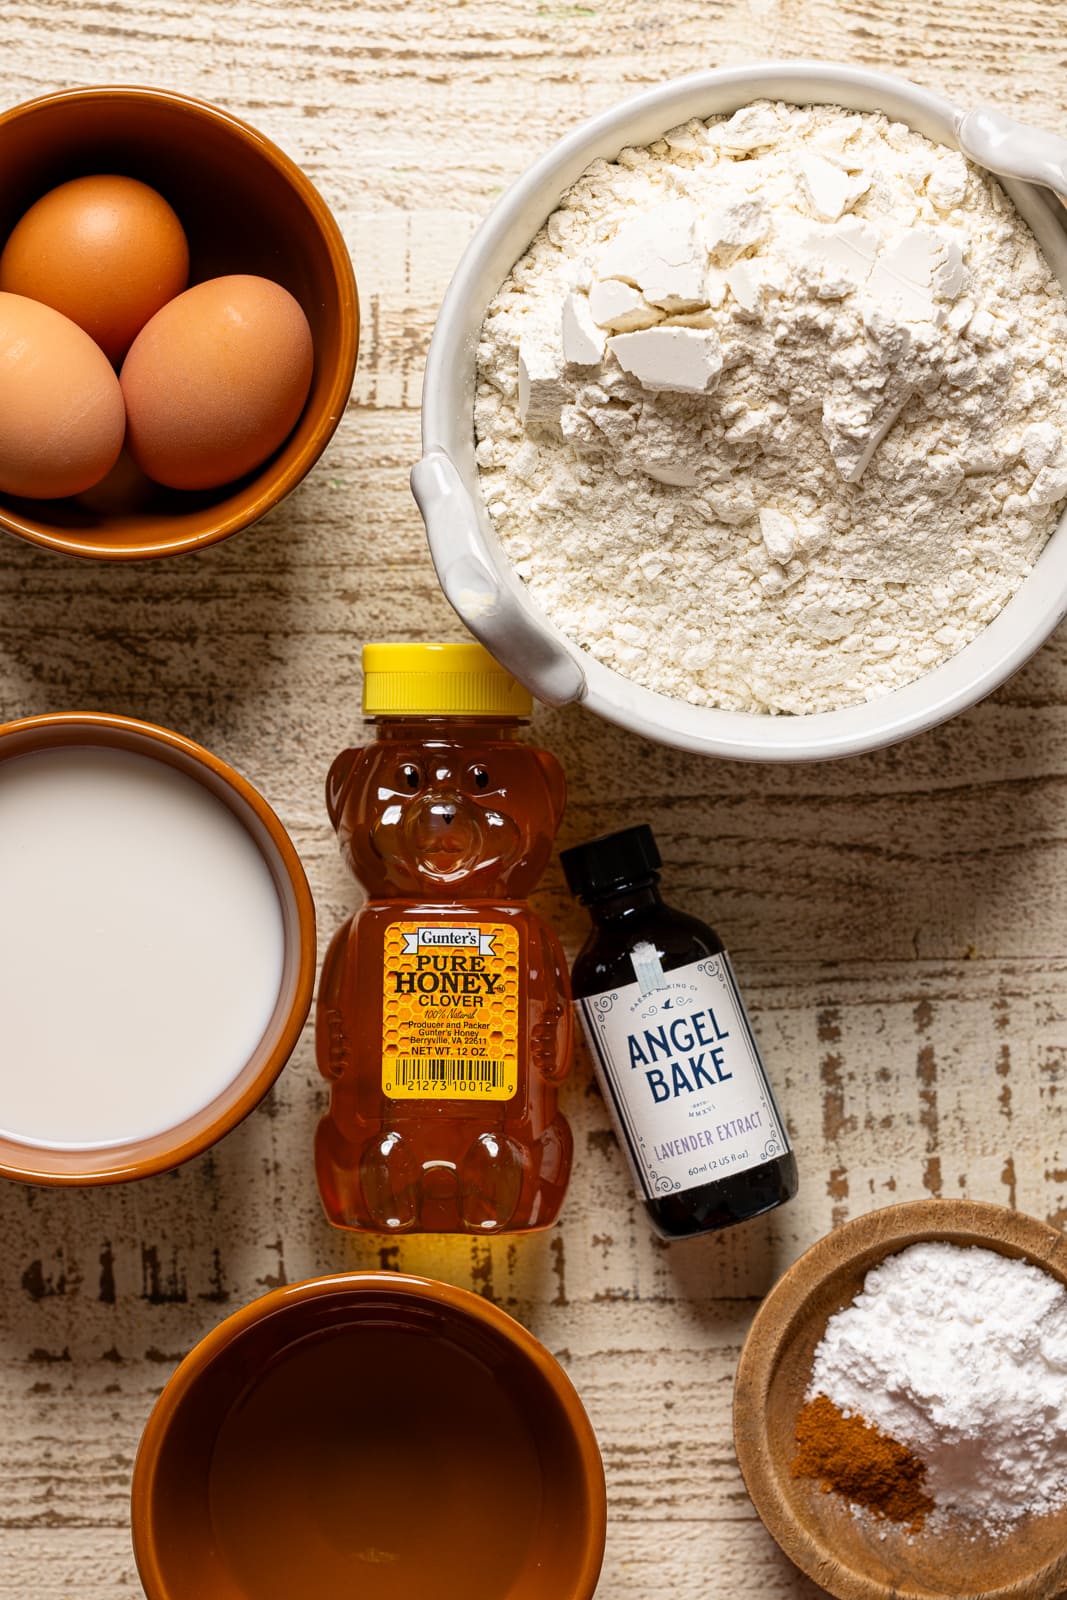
(246, 208)
(371, 1435)
(140, 1158)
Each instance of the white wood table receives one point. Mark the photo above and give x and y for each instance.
(899, 922)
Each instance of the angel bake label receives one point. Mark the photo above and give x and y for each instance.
(450, 1011)
(686, 1085)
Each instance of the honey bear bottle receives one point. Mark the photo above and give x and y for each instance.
(672, 1046)
(444, 1018)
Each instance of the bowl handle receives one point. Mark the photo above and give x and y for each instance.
(1015, 150)
(476, 593)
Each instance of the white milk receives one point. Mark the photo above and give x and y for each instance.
(141, 947)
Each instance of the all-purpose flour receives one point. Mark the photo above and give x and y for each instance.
(960, 1354)
(772, 414)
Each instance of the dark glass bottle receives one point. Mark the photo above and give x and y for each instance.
(673, 1049)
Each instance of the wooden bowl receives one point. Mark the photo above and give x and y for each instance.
(372, 1436)
(245, 207)
(857, 1557)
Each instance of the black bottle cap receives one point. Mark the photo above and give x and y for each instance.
(610, 863)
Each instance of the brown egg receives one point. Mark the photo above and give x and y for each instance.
(106, 251)
(61, 412)
(124, 490)
(216, 382)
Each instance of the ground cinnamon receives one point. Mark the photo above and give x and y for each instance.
(854, 1459)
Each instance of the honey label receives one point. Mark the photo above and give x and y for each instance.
(450, 1011)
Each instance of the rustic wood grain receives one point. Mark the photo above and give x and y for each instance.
(897, 920)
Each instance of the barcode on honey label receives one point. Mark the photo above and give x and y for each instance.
(450, 1011)
(413, 1071)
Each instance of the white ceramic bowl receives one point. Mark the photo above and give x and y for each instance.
(477, 577)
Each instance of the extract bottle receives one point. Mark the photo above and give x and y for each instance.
(672, 1047)
(444, 1021)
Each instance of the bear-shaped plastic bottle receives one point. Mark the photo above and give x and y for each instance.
(444, 1019)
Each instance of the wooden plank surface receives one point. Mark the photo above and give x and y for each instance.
(898, 921)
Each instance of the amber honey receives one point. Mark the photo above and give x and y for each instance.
(378, 1463)
(369, 1436)
(443, 1020)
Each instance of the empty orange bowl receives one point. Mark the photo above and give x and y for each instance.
(246, 208)
(371, 1435)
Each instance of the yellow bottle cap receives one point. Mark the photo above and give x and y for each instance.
(439, 680)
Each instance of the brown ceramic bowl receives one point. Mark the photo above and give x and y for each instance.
(139, 1158)
(371, 1435)
(857, 1558)
(245, 208)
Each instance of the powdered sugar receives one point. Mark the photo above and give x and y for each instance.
(771, 414)
(960, 1354)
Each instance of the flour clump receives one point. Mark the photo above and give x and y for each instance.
(771, 415)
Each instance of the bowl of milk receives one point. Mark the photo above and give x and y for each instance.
(157, 948)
